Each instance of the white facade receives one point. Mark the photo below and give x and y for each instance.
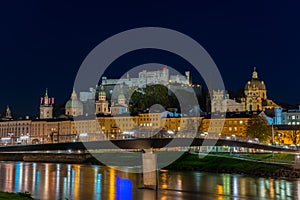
(291, 117)
(221, 103)
(150, 77)
(14, 130)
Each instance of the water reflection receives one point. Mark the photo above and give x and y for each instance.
(71, 181)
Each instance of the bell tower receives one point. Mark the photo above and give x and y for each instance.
(101, 103)
(46, 107)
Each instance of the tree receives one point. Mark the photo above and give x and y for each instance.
(143, 98)
(258, 128)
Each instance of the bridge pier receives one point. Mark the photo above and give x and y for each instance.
(297, 161)
(149, 169)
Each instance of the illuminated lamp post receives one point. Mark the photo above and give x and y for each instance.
(11, 137)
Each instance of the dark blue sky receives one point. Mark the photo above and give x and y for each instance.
(43, 43)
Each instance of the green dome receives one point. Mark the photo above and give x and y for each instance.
(121, 96)
(74, 104)
(102, 91)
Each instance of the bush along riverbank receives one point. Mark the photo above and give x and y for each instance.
(15, 196)
(222, 164)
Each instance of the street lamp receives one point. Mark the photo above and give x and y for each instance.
(272, 132)
(273, 135)
(11, 137)
(52, 134)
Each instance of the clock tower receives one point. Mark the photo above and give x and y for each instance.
(46, 107)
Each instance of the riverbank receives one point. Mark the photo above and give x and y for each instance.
(252, 164)
(223, 164)
(15, 196)
(260, 165)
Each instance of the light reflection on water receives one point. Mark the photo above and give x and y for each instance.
(73, 181)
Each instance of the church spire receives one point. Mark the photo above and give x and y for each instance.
(46, 98)
(73, 95)
(254, 74)
(46, 94)
(121, 97)
(8, 113)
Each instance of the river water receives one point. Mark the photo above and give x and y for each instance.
(74, 181)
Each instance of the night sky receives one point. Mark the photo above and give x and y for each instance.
(43, 43)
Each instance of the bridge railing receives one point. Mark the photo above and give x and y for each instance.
(154, 133)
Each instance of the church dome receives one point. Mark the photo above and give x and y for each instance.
(255, 82)
(121, 96)
(74, 104)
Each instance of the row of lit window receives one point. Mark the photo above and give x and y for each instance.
(293, 117)
(14, 128)
(228, 122)
(149, 124)
(148, 119)
(294, 123)
(225, 129)
(11, 124)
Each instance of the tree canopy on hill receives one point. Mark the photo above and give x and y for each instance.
(144, 98)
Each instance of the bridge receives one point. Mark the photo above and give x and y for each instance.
(141, 143)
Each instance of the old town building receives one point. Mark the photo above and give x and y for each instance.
(255, 99)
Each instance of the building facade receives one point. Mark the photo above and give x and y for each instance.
(15, 131)
(231, 125)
